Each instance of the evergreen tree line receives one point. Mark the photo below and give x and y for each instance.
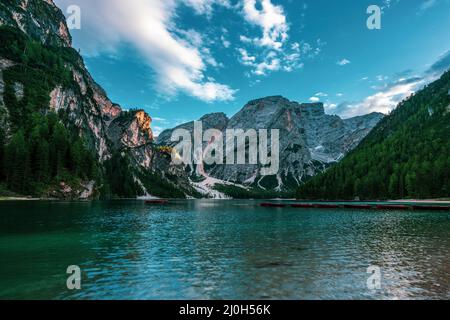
(407, 155)
(119, 178)
(44, 155)
(41, 151)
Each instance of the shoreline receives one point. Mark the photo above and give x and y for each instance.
(412, 201)
(423, 201)
(19, 199)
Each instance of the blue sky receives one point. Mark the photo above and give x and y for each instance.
(179, 60)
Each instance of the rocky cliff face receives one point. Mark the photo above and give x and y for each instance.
(310, 141)
(40, 19)
(132, 132)
(4, 113)
(103, 125)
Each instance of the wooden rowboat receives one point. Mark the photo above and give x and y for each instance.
(432, 208)
(327, 206)
(273, 205)
(393, 207)
(358, 206)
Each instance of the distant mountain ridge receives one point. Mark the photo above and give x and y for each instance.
(310, 140)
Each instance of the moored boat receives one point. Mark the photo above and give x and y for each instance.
(273, 205)
(432, 208)
(327, 206)
(358, 206)
(393, 207)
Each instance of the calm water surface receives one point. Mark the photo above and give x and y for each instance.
(219, 250)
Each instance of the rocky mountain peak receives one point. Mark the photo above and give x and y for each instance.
(41, 20)
(218, 120)
(269, 100)
(280, 101)
(310, 140)
(216, 116)
(312, 109)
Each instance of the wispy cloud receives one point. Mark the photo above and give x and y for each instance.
(383, 101)
(343, 62)
(427, 5)
(271, 51)
(271, 19)
(179, 58)
(387, 4)
(393, 93)
(206, 6)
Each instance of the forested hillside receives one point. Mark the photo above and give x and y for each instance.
(40, 148)
(47, 152)
(407, 155)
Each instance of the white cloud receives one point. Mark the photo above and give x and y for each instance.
(272, 65)
(178, 57)
(383, 101)
(388, 97)
(330, 107)
(321, 94)
(157, 130)
(314, 99)
(387, 4)
(269, 52)
(246, 59)
(206, 6)
(271, 19)
(225, 42)
(427, 5)
(272, 51)
(245, 39)
(272, 61)
(309, 51)
(343, 62)
(161, 120)
(381, 77)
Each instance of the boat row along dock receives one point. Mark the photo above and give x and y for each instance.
(356, 206)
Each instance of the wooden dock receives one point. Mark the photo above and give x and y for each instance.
(325, 205)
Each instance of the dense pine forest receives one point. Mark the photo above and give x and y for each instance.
(406, 156)
(40, 147)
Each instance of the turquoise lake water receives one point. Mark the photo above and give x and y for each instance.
(220, 250)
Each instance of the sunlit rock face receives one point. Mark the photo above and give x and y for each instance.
(131, 130)
(84, 105)
(310, 140)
